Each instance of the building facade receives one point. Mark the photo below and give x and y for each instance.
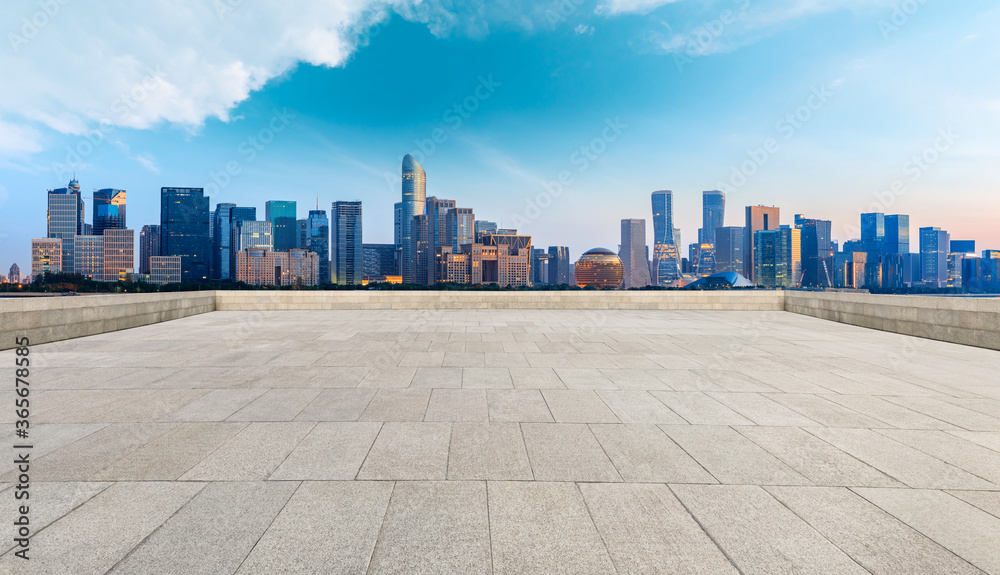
(252, 234)
(109, 210)
(149, 246)
(88, 256)
(666, 251)
(633, 253)
(46, 256)
(64, 217)
(713, 213)
(559, 265)
(758, 218)
(599, 268)
(413, 204)
(184, 230)
(284, 229)
(729, 244)
(817, 252)
(347, 264)
(317, 241)
(164, 269)
(934, 250)
(119, 254)
(378, 260)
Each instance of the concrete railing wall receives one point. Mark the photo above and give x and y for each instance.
(659, 300)
(47, 319)
(969, 321)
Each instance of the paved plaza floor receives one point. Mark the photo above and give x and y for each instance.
(508, 442)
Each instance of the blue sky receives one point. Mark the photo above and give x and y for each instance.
(817, 106)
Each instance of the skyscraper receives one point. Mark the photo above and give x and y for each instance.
(88, 256)
(897, 234)
(109, 210)
(934, 249)
(437, 211)
(65, 211)
(184, 229)
(633, 253)
(149, 246)
(318, 241)
(773, 258)
(345, 220)
(460, 228)
(873, 244)
(119, 254)
(963, 246)
(817, 252)
(666, 253)
(484, 227)
(222, 240)
(281, 214)
(414, 197)
(713, 211)
(539, 258)
(729, 249)
(559, 265)
(379, 260)
(251, 234)
(758, 218)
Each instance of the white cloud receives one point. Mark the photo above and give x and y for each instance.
(630, 6)
(584, 29)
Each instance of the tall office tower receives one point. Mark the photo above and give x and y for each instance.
(794, 254)
(282, 216)
(88, 256)
(119, 254)
(46, 256)
(666, 251)
(460, 226)
(184, 229)
(301, 230)
(758, 218)
(559, 265)
(713, 212)
(963, 246)
(539, 273)
(211, 234)
(65, 211)
(414, 198)
(222, 240)
(873, 244)
(149, 246)
(897, 234)
(817, 252)
(346, 246)
(729, 249)
(955, 260)
(437, 211)
(633, 253)
(484, 227)
(702, 259)
(318, 241)
(14, 275)
(773, 260)
(68, 266)
(422, 252)
(934, 249)
(378, 260)
(251, 234)
(109, 210)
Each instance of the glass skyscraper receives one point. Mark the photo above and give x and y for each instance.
(666, 254)
(282, 216)
(934, 249)
(897, 234)
(184, 229)
(758, 218)
(65, 211)
(713, 211)
(347, 266)
(817, 252)
(109, 210)
(729, 249)
(633, 253)
(559, 265)
(149, 246)
(318, 241)
(414, 198)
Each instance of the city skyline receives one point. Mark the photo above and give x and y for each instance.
(522, 120)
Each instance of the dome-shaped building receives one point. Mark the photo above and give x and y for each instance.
(599, 268)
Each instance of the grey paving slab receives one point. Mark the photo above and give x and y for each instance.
(339, 376)
(761, 410)
(397, 405)
(216, 405)
(566, 452)
(731, 457)
(389, 377)
(965, 455)
(876, 540)
(252, 454)
(213, 533)
(488, 451)
(57, 499)
(636, 406)
(337, 405)
(486, 378)
(578, 406)
(824, 412)
(585, 378)
(408, 451)
(890, 413)
(647, 530)
(759, 534)
(642, 453)
(967, 531)
(49, 437)
(535, 378)
(905, 464)
(457, 405)
(699, 409)
(988, 501)
(988, 439)
(101, 532)
(544, 529)
(172, 454)
(435, 527)
(332, 451)
(327, 527)
(956, 415)
(520, 405)
(276, 405)
(437, 377)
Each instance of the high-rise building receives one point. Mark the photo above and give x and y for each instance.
(249, 234)
(502, 259)
(109, 210)
(559, 265)
(378, 260)
(88, 256)
(184, 229)
(484, 227)
(713, 212)
(897, 234)
(149, 246)
(774, 260)
(68, 265)
(817, 252)
(222, 240)
(934, 249)
(422, 250)
(164, 269)
(318, 241)
(14, 275)
(65, 211)
(346, 245)
(46, 256)
(301, 231)
(666, 251)
(873, 243)
(702, 259)
(260, 266)
(282, 216)
(963, 246)
(758, 218)
(460, 228)
(437, 213)
(414, 198)
(729, 244)
(633, 253)
(539, 271)
(119, 254)
(303, 268)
